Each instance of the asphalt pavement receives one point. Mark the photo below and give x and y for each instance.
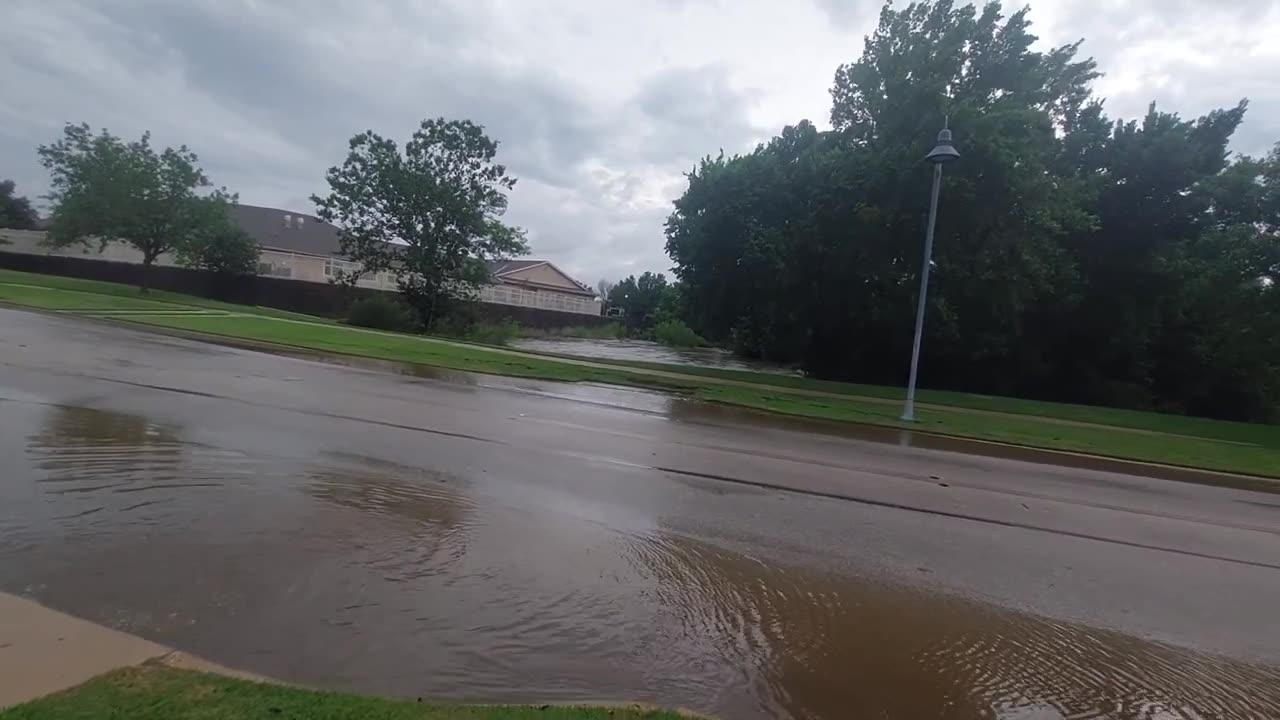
(1189, 565)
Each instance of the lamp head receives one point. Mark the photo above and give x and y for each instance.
(943, 152)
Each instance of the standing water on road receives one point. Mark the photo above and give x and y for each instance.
(347, 571)
(643, 350)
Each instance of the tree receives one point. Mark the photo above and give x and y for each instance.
(108, 190)
(222, 246)
(1077, 258)
(15, 212)
(639, 299)
(430, 214)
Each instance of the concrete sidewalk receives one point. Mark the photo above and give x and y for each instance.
(43, 651)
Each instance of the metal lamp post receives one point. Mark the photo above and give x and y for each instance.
(942, 153)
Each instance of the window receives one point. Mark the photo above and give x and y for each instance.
(277, 268)
(288, 219)
(299, 222)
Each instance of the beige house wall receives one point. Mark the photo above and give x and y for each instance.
(32, 242)
(312, 268)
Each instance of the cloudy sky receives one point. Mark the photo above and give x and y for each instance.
(600, 106)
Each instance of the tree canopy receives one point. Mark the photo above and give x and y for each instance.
(429, 214)
(1077, 258)
(15, 211)
(105, 189)
(639, 299)
(221, 247)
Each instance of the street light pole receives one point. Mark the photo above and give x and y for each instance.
(942, 152)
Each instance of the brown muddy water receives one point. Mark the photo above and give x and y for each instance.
(644, 350)
(350, 572)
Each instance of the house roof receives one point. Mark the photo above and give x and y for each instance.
(510, 271)
(309, 235)
(302, 233)
(500, 267)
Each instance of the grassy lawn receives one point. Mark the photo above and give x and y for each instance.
(1173, 439)
(1155, 422)
(409, 348)
(1126, 443)
(155, 692)
(26, 289)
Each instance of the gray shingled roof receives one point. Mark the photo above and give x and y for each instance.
(268, 227)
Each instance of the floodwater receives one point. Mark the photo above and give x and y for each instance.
(349, 571)
(646, 351)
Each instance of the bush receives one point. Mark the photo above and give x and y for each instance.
(491, 333)
(609, 331)
(381, 312)
(677, 334)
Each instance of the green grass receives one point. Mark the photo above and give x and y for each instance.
(405, 348)
(1039, 432)
(1172, 439)
(123, 294)
(63, 299)
(492, 333)
(156, 692)
(1252, 433)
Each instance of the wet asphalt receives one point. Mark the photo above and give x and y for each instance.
(478, 537)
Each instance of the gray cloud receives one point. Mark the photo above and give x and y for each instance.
(597, 111)
(848, 13)
(1187, 56)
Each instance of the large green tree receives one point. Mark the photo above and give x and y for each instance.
(429, 213)
(15, 211)
(221, 247)
(639, 299)
(1076, 258)
(105, 189)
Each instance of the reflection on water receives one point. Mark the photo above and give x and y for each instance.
(827, 647)
(115, 464)
(437, 519)
(351, 572)
(645, 351)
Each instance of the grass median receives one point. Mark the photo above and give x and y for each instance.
(1152, 437)
(156, 692)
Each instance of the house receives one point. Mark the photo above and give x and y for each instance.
(298, 246)
(303, 247)
(538, 283)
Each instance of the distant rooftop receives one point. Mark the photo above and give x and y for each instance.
(306, 234)
(287, 230)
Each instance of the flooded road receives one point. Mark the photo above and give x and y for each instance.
(507, 540)
(645, 351)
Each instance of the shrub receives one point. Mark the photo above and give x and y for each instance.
(493, 333)
(381, 312)
(677, 334)
(608, 331)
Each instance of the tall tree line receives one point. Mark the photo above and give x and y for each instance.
(1077, 257)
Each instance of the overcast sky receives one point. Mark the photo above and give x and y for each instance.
(599, 106)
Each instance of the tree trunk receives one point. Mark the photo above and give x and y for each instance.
(144, 284)
(431, 314)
